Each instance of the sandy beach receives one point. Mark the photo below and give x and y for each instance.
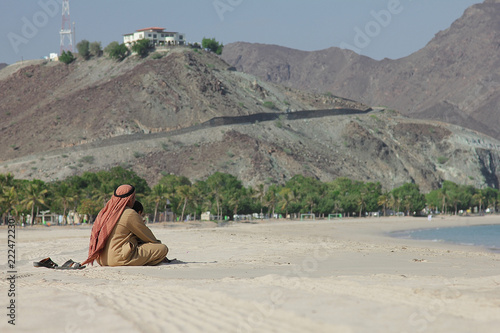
(272, 276)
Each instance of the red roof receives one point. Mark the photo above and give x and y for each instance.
(152, 28)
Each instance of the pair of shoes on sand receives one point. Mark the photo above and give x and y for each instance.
(48, 263)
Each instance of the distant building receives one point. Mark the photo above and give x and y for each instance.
(157, 37)
(206, 216)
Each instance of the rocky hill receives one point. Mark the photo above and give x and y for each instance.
(455, 78)
(190, 113)
(94, 100)
(3, 65)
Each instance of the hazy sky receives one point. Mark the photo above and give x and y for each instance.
(375, 28)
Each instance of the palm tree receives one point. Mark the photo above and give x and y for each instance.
(337, 206)
(6, 180)
(311, 200)
(34, 195)
(66, 195)
(103, 193)
(383, 200)
(196, 198)
(392, 202)
(408, 204)
(216, 194)
(185, 194)
(259, 194)
(271, 199)
(443, 196)
(158, 195)
(9, 199)
(479, 198)
(234, 202)
(362, 201)
(287, 197)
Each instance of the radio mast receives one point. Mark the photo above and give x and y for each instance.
(66, 31)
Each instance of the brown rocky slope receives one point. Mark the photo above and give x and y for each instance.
(156, 116)
(455, 78)
(64, 105)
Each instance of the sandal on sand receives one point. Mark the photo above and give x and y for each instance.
(168, 261)
(70, 264)
(47, 262)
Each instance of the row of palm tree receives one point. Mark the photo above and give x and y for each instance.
(224, 195)
(453, 197)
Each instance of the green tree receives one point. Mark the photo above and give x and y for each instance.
(142, 47)
(158, 196)
(271, 199)
(311, 201)
(222, 187)
(185, 194)
(383, 200)
(361, 201)
(348, 193)
(96, 49)
(259, 193)
(434, 200)
(197, 199)
(171, 182)
(65, 195)
(66, 57)
(83, 48)
(117, 176)
(410, 197)
(479, 198)
(34, 195)
(103, 193)
(286, 197)
(455, 196)
(6, 180)
(307, 194)
(116, 51)
(89, 207)
(212, 45)
(8, 194)
(9, 200)
(490, 195)
(238, 199)
(373, 192)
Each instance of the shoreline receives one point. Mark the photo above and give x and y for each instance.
(279, 276)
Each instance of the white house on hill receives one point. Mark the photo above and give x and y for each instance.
(157, 37)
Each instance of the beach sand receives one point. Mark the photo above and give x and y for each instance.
(272, 276)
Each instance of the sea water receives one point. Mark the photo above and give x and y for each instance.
(479, 235)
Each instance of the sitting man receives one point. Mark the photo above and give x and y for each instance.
(120, 238)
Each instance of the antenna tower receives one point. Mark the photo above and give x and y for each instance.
(66, 32)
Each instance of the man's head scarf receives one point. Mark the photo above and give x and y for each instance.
(106, 220)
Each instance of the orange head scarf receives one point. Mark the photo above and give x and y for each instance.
(106, 220)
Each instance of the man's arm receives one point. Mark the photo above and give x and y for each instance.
(138, 228)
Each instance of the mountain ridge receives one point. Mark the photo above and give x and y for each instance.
(454, 78)
(188, 112)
